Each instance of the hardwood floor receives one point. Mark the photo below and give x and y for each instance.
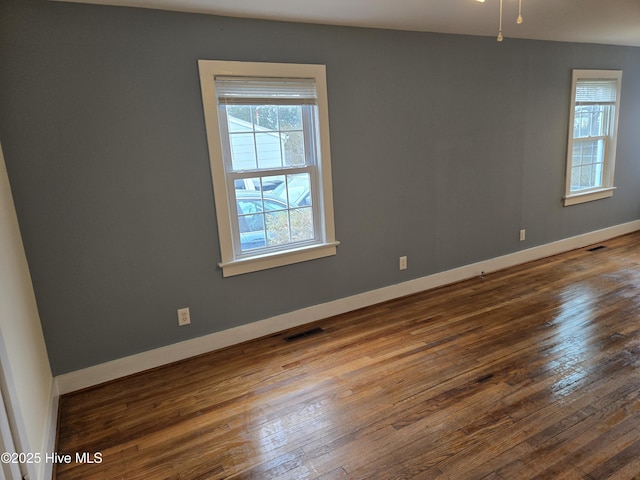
(528, 373)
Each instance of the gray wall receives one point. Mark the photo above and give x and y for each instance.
(443, 147)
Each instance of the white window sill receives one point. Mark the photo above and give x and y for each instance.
(279, 259)
(591, 195)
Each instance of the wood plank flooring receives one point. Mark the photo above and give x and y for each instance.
(528, 373)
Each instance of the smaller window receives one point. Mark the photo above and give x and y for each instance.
(593, 127)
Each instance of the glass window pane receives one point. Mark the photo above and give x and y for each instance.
(594, 181)
(596, 122)
(586, 177)
(575, 179)
(273, 202)
(252, 232)
(290, 117)
(293, 146)
(596, 175)
(251, 223)
(301, 224)
(577, 154)
(265, 117)
(298, 190)
(600, 150)
(271, 182)
(239, 118)
(252, 239)
(268, 149)
(577, 123)
(246, 184)
(249, 205)
(243, 151)
(277, 228)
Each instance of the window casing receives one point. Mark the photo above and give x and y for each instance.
(593, 126)
(268, 136)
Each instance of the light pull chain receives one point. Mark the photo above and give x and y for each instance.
(519, 19)
(500, 37)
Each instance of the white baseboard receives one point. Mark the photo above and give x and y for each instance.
(121, 367)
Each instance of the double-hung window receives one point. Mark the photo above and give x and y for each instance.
(268, 135)
(593, 127)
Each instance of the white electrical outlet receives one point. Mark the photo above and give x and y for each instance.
(184, 318)
(403, 263)
(522, 235)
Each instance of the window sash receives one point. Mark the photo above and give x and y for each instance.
(233, 207)
(605, 113)
(233, 174)
(309, 119)
(593, 167)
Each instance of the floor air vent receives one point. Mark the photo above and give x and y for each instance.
(305, 334)
(595, 249)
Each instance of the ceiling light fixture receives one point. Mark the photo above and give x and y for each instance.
(518, 20)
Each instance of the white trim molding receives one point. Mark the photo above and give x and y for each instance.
(121, 367)
(52, 430)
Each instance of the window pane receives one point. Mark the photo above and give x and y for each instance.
(239, 118)
(265, 117)
(271, 182)
(272, 202)
(268, 148)
(252, 233)
(293, 143)
(247, 184)
(586, 176)
(575, 178)
(298, 190)
(243, 152)
(301, 224)
(290, 117)
(597, 122)
(277, 228)
(249, 205)
(577, 154)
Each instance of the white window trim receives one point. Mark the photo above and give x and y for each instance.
(607, 189)
(232, 264)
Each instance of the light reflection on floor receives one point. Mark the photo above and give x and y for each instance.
(574, 327)
(300, 428)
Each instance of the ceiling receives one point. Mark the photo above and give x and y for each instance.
(589, 21)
